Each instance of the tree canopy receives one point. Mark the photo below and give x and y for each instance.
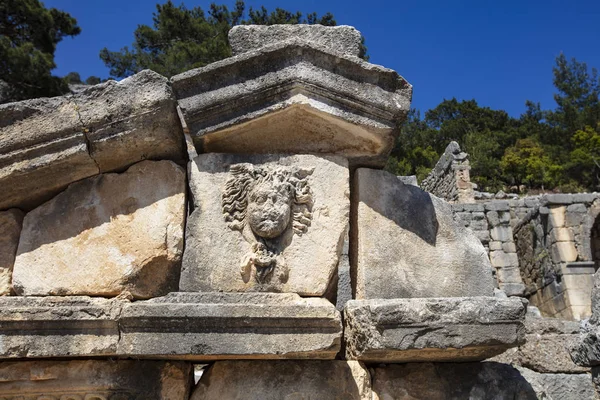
(29, 33)
(182, 38)
(542, 149)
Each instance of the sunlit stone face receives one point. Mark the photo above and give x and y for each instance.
(269, 209)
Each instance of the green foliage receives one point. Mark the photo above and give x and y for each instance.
(93, 80)
(181, 39)
(548, 149)
(29, 33)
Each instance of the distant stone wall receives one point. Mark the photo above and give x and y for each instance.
(450, 179)
(542, 247)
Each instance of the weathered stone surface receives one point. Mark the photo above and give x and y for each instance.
(294, 96)
(546, 347)
(409, 245)
(276, 380)
(195, 326)
(560, 386)
(444, 381)
(340, 39)
(217, 326)
(106, 235)
(95, 380)
(45, 144)
(10, 230)
(434, 329)
(265, 223)
(36, 327)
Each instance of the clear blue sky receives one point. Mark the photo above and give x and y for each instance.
(500, 53)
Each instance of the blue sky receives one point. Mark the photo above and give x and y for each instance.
(500, 53)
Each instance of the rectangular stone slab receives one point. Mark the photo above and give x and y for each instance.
(293, 207)
(216, 326)
(76, 326)
(432, 329)
(284, 380)
(95, 380)
(195, 326)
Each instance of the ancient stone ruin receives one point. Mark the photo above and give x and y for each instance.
(190, 239)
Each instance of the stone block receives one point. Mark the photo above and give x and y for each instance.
(409, 245)
(500, 259)
(294, 96)
(478, 225)
(513, 289)
(561, 235)
(36, 327)
(509, 247)
(502, 233)
(276, 380)
(265, 223)
(10, 230)
(508, 275)
(497, 205)
(559, 198)
(563, 252)
(546, 347)
(432, 329)
(217, 326)
(48, 143)
(448, 381)
(482, 236)
(342, 39)
(577, 208)
(495, 245)
(557, 217)
(586, 350)
(473, 207)
(106, 235)
(584, 197)
(409, 180)
(478, 215)
(574, 219)
(95, 380)
(560, 386)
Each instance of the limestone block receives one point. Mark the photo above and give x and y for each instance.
(265, 223)
(296, 95)
(557, 216)
(339, 39)
(106, 235)
(46, 144)
(446, 381)
(95, 380)
(195, 326)
(508, 274)
(495, 245)
(497, 205)
(409, 245)
(563, 252)
(290, 380)
(501, 259)
(558, 198)
(546, 347)
(482, 236)
(561, 235)
(577, 208)
(560, 386)
(10, 230)
(432, 329)
(75, 326)
(217, 326)
(509, 247)
(501, 233)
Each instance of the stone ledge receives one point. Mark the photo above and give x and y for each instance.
(432, 329)
(252, 102)
(195, 326)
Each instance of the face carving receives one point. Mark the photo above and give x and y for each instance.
(269, 209)
(263, 202)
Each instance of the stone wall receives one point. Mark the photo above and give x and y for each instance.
(450, 178)
(154, 225)
(542, 248)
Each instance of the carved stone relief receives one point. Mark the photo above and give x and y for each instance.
(263, 203)
(265, 223)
